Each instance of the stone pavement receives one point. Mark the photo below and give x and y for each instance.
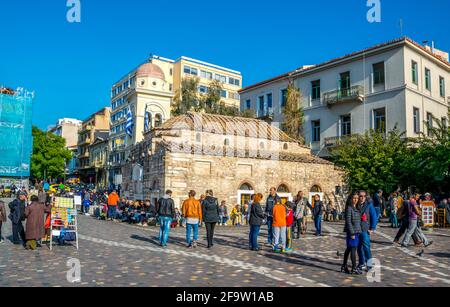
(115, 254)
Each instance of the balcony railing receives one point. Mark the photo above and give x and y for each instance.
(332, 142)
(354, 93)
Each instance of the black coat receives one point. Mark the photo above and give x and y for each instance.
(352, 221)
(17, 211)
(318, 209)
(256, 215)
(166, 208)
(210, 208)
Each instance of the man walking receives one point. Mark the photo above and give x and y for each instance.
(369, 220)
(166, 212)
(272, 199)
(378, 203)
(192, 213)
(17, 216)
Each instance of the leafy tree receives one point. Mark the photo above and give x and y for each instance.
(293, 113)
(428, 165)
(187, 98)
(49, 155)
(372, 161)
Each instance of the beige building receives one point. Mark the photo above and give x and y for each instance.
(98, 157)
(397, 84)
(97, 125)
(234, 156)
(67, 128)
(148, 93)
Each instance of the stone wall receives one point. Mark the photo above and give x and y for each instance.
(225, 175)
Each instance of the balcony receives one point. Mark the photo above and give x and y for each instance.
(333, 142)
(352, 94)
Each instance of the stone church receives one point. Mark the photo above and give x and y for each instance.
(233, 156)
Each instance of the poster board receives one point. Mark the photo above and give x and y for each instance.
(63, 219)
(427, 213)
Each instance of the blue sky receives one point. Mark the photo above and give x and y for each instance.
(72, 66)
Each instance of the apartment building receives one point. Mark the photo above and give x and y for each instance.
(148, 91)
(67, 128)
(396, 84)
(97, 125)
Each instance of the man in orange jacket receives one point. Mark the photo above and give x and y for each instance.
(113, 201)
(279, 227)
(192, 212)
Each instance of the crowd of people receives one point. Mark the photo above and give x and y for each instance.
(286, 220)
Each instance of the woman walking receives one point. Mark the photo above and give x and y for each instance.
(211, 213)
(256, 220)
(353, 230)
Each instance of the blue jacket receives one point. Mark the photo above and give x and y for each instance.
(371, 214)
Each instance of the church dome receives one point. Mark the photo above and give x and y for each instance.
(150, 70)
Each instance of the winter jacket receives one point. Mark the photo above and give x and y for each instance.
(166, 207)
(270, 203)
(300, 208)
(113, 199)
(367, 210)
(352, 221)
(2, 212)
(210, 207)
(17, 211)
(256, 215)
(279, 215)
(35, 225)
(290, 218)
(317, 210)
(192, 208)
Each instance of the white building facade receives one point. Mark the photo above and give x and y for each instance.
(397, 84)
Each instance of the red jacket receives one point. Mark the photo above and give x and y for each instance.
(290, 218)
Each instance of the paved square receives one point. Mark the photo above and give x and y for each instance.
(114, 254)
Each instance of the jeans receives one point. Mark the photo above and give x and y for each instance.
(269, 229)
(210, 233)
(190, 227)
(164, 229)
(253, 237)
(364, 251)
(378, 211)
(318, 224)
(1, 230)
(18, 232)
(394, 220)
(112, 212)
(414, 229)
(279, 234)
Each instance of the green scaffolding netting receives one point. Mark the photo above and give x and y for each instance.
(15, 135)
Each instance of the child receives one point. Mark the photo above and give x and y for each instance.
(279, 227)
(289, 223)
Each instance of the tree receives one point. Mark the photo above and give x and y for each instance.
(428, 165)
(293, 113)
(372, 161)
(49, 155)
(187, 98)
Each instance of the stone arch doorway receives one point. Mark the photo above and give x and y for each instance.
(284, 192)
(245, 191)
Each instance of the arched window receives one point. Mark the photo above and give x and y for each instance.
(246, 187)
(247, 133)
(262, 145)
(316, 189)
(198, 137)
(158, 120)
(283, 189)
(285, 146)
(226, 142)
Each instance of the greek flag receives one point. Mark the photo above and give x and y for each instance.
(146, 120)
(130, 124)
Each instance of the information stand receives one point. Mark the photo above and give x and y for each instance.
(63, 219)
(427, 213)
